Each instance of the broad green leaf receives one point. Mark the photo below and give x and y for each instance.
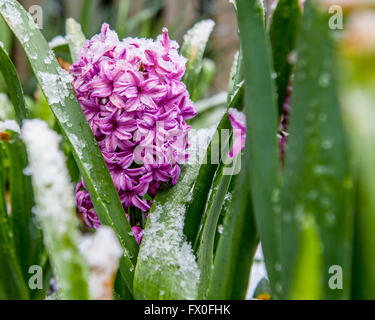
(262, 145)
(193, 48)
(360, 115)
(237, 243)
(317, 178)
(307, 282)
(283, 33)
(55, 207)
(14, 86)
(27, 236)
(55, 84)
(166, 267)
(76, 38)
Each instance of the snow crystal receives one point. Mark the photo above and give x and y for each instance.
(163, 243)
(102, 251)
(10, 13)
(56, 86)
(49, 58)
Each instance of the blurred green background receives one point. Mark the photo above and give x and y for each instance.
(143, 18)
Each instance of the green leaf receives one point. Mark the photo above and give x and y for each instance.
(209, 118)
(360, 116)
(237, 243)
(76, 38)
(55, 83)
(264, 167)
(307, 279)
(121, 291)
(213, 102)
(283, 33)
(205, 79)
(40, 109)
(12, 283)
(317, 177)
(236, 75)
(212, 198)
(87, 16)
(27, 237)
(207, 171)
(6, 108)
(3, 203)
(193, 48)
(5, 35)
(217, 194)
(143, 19)
(166, 267)
(61, 49)
(122, 16)
(14, 86)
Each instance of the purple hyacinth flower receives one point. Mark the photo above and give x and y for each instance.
(137, 106)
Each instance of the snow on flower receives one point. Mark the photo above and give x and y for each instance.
(137, 106)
